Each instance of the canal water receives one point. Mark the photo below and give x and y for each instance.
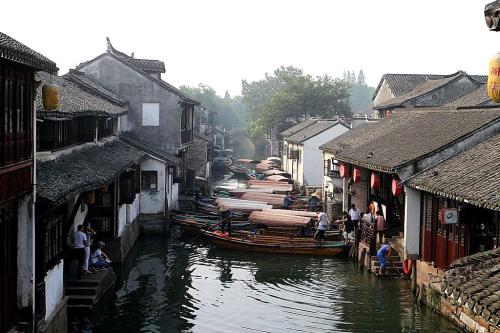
(181, 283)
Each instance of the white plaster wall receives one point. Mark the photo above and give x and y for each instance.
(313, 156)
(80, 216)
(384, 94)
(153, 202)
(24, 252)
(54, 288)
(359, 199)
(412, 222)
(300, 166)
(135, 208)
(133, 211)
(175, 196)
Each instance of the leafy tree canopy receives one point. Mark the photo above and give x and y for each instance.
(290, 95)
(229, 111)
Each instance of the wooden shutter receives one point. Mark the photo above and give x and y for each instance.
(127, 190)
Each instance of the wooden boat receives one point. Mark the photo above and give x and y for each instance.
(274, 244)
(193, 224)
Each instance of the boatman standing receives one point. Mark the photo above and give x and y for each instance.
(322, 225)
(225, 215)
(287, 201)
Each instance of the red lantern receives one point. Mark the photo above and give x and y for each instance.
(397, 188)
(356, 175)
(344, 170)
(375, 180)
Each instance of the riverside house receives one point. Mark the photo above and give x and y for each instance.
(302, 157)
(158, 113)
(375, 158)
(85, 174)
(18, 65)
(455, 235)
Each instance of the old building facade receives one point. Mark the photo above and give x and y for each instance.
(18, 65)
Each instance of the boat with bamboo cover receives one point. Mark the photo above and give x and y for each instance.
(193, 223)
(254, 242)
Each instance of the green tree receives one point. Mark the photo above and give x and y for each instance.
(289, 95)
(229, 112)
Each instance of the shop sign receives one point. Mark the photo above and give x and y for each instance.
(449, 216)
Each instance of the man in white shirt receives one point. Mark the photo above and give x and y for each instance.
(322, 225)
(355, 215)
(79, 243)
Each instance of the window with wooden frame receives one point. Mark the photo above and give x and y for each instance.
(104, 127)
(187, 123)
(103, 199)
(16, 103)
(101, 223)
(149, 180)
(51, 240)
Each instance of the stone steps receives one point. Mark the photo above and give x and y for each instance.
(85, 293)
(393, 268)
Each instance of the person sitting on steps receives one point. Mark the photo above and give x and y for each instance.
(99, 259)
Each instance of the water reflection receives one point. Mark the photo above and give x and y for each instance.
(181, 285)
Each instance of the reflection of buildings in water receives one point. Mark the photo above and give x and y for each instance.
(158, 282)
(267, 268)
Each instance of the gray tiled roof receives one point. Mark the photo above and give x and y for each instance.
(84, 170)
(311, 131)
(403, 83)
(80, 79)
(76, 100)
(149, 148)
(476, 97)
(147, 65)
(297, 127)
(473, 282)
(419, 90)
(11, 49)
(472, 176)
(407, 136)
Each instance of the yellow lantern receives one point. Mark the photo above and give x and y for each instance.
(494, 78)
(50, 97)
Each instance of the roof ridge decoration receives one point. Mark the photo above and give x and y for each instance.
(12, 50)
(147, 65)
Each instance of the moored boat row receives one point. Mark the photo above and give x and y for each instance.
(258, 222)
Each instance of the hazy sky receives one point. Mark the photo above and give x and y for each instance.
(221, 42)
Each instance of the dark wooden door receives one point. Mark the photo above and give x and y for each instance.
(8, 263)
